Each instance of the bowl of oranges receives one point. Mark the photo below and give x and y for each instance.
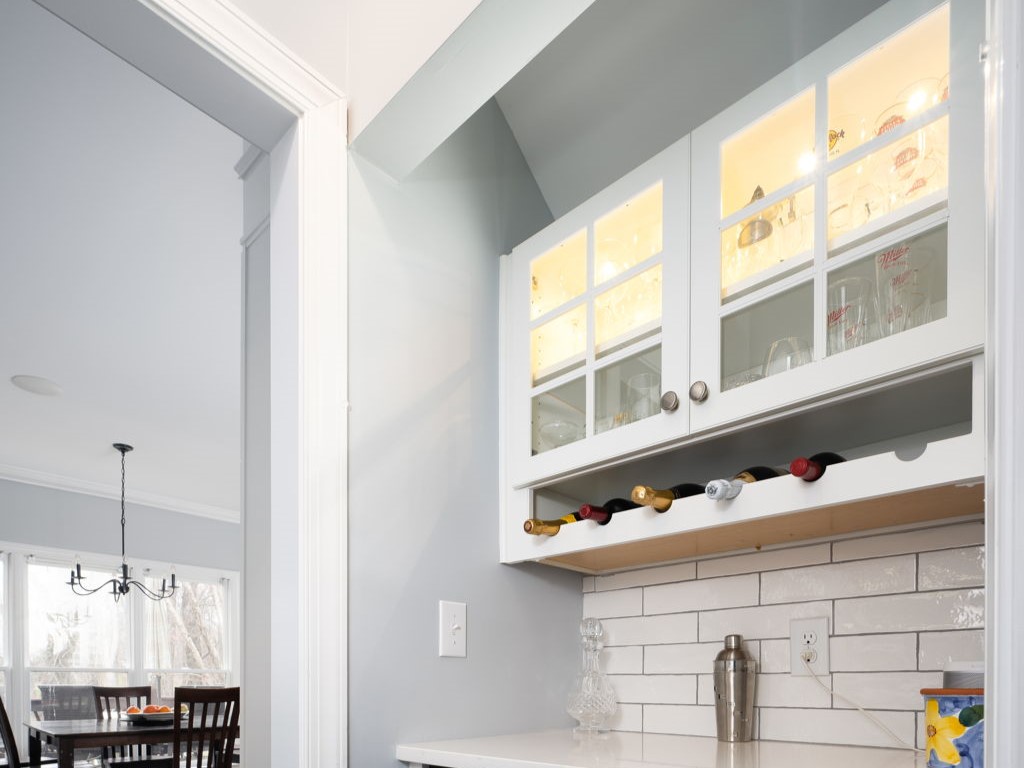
(152, 713)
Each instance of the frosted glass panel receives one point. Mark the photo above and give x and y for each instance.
(774, 151)
(899, 174)
(558, 416)
(628, 390)
(628, 235)
(558, 345)
(628, 311)
(901, 78)
(558, 276)
(769, 244)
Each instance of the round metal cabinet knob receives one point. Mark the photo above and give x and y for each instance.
(699, 391)
(669, 401)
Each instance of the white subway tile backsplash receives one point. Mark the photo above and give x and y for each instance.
(689, 658)
(628, 717)
(655, 689)
(706, 594)
(790, 691)
(884, 690)
(924, 540)
(763, 622)
(900, 607)
(623, 660)
(834, 726)
(964, 567)
(873, 653)
(680, 720)
(706, 690)
(920, 611)
(651, 630)
(774, 656)
(604, 605)
(791, 557)
(660, 575)
(937, 649)
(863, 577)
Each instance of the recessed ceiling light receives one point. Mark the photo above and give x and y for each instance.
(37, 385)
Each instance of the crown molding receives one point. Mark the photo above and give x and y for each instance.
(246, 47)
(103, 490)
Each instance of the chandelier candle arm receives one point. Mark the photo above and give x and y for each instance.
(121, 586)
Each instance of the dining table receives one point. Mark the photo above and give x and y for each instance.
(65, 736)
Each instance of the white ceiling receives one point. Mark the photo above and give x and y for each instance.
(628, 78)
(120, 275)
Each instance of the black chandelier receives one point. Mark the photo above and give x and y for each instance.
(120, 585)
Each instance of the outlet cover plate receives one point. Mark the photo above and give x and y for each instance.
(452, 629)
(812, 634)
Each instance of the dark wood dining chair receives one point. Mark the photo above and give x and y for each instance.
(110, 702)
(205, 738)
(10, 743)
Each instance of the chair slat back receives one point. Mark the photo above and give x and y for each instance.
(7, 737)
(205, 738)
(111, 701)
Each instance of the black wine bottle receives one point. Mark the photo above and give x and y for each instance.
(729, 489)
(602, 515)
(661, 499)
(810, 469)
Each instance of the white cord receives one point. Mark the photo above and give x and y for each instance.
(857, 706)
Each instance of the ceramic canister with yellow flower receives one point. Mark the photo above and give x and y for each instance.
(954, 727)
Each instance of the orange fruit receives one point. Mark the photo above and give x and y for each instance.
(151, 709)
(165, 708)
(133, 711)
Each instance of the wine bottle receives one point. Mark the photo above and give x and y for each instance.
(729, 489)
(549, 527)
(661, 500)
(602, 515)
(812, 468)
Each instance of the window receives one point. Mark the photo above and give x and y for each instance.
(55, 645)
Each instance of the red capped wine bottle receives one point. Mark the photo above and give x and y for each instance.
(730, 489)
(549, 527)
(810, 469)
(602, 515)
(661, 500)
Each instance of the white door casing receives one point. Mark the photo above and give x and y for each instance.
(215, 58)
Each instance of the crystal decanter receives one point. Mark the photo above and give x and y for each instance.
(592, 698)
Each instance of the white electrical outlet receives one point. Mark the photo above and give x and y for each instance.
(452, 634)
(808, 639)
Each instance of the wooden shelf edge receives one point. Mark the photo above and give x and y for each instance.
(912, 507)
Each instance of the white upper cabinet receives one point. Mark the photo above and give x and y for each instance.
(760, 285)
(838, 216)
(596, 309)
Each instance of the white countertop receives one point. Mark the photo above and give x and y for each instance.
(559, 749)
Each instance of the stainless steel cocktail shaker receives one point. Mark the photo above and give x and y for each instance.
(734, 691)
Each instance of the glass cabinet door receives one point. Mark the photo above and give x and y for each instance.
(606, 286)
(823, 248)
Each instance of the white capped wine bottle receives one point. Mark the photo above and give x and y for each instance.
(661, 499)
(720, 490)
(812, 468)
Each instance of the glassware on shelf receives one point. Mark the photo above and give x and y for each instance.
(644, 395)
(851, 314)
(903, 277)
(592, 700)
(786, 354)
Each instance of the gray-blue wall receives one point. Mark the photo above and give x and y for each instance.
(45, 517)
(423, 458)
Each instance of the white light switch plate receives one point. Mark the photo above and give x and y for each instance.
(452, 636)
